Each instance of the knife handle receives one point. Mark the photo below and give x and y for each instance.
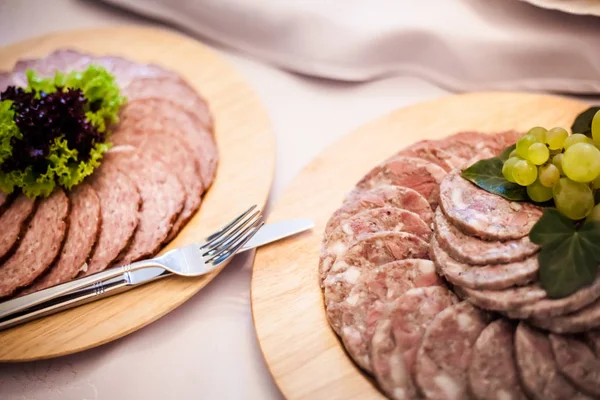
(23, 303)
(99, 291)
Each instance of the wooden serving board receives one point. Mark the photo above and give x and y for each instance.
(302, 352)
(246, 166)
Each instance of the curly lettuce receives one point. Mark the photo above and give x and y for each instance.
(87, 102)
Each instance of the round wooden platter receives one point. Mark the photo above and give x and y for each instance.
(246, 165)
(302, 353)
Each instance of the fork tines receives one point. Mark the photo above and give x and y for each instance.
(225, 243)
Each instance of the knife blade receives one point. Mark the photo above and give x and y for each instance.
(267, 234)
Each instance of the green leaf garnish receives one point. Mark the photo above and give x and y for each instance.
(487, 174)
(583, 122)
(569, 255)
(42, 157)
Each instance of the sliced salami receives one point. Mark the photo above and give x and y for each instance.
(493, 371)
(380, 285)
(40, 245)
(548, 308)
(162, 201)
(435, 155)
(84, 228)
(174, 89)
(178, 156)
(538, 370)
(463, 145)
(592, 338)
(120, 202)
(4, 201)
(126, 71)
(475, 251)
(577, 362)
(492, 277)
(387, 219)
(366, 254)
(583, 320)
(64, 60)
(383, 196)
(483, 214)
(415, 173)
(445, 353)
(144, 115)
(13, 222)
(503, 300)
(398, 335)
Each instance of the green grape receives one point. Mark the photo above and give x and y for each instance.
(523, 145)
(581, 162)
(595, 214)
(557, 162)
(507, 168)
(513, 154)
(538, 192)
(538, 153)
(573, 199)
(556, 138)
(548, 175)
(596, 127)
(538, 133)
(576, 138)
(524, 172)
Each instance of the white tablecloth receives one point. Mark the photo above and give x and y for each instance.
(206, 349)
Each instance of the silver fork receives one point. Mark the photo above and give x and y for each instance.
(192, 260)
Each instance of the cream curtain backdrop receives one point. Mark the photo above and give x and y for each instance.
(460, 45)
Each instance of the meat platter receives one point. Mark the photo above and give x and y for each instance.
(427, 286)
(149, 185)
(164, 180)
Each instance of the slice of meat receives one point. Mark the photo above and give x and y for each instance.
(84, 228)
(178, 155)
(592, 338)
(583, 320)
(548, 308)
(6, 80)
(384, 196)
(380, 285)
(162, 201)
(398, 335)
(435, 155)
(140, 116)
(414, 173)
(475, 251)
(463, 145)
(445, 353)
(388, 219)
(368, 253)
(577, 362)
(13, 222)
(492, 277)
(63, 60)
(120, 203)
(505, 299)
(175, 89)
(538, 370)
(502, 140)
(126, 71)
(482, 214)
(40, 245)
(493, 371)
(4, 201)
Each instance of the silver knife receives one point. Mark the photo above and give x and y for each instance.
(17, 311)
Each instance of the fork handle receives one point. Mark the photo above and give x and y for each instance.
(19, 304)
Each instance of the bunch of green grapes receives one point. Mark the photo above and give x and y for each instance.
(554, 165)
